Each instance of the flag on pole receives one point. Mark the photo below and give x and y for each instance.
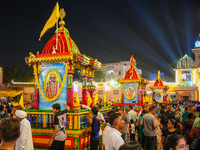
(89, 100)
(51, 21)
(21, 101)
(104, 100)
(96, 99)
(77, 98)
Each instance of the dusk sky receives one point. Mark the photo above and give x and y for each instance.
(156, 32)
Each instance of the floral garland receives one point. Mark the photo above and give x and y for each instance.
(38, 84)
(26, 60)
(91, 87)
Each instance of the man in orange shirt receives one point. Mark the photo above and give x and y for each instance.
(146, 106)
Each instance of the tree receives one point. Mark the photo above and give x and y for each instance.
(17, 74)
(99, 76)
(27, 75)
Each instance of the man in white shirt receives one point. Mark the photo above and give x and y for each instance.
(107, 128)
(135, 107)
(113, 137)
(132, 114)
(25, 141)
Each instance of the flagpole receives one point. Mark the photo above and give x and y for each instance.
(56, 34)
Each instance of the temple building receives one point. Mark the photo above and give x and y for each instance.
(117, 70)
(186, 80)
(187, 76)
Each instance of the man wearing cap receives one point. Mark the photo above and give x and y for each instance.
(25, 141)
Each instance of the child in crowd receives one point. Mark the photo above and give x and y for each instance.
(132, 135)
(59, 135)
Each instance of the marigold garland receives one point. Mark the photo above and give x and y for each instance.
(38, 84)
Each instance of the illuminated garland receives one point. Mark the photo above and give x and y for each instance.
(125, 93)
(38, 84)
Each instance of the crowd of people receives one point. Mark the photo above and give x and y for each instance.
(156, 126)
(15, 129)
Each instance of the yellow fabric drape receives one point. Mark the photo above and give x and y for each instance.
(96, 99)
(51, 21)
(104, 100)
(21, 101)
(77, 99)
(10, 93)
(89, 100)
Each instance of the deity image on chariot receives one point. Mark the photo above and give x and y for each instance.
(130, 92)
(158, 95)
(52, 83)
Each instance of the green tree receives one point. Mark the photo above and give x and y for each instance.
(27, 75)
(10, 73)
(99, 76)
(17, 74)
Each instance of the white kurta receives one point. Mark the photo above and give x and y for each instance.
(25, 141)
(113, 139)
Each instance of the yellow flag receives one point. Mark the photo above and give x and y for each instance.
(77, 99)
(116, 100)
(96, 99)
(21, 101)
(51, 21)
(104, 100)
(89, 100)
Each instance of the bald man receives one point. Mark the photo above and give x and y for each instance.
(52, 86)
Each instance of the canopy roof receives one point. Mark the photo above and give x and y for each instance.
(61, 47)
(65, 43)
(186, 62)
(158, 83)
(132, 74)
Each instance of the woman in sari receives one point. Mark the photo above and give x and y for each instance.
(188, 126)
(195, 132)
(178, 113)
(141, 128)
(185, 116)
(158, 133)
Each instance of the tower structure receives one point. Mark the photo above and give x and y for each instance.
(187, 76)
(159, 89)
(54, 68)
(130, 84)
(196, 51)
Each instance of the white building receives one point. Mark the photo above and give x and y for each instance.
(117, 70)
